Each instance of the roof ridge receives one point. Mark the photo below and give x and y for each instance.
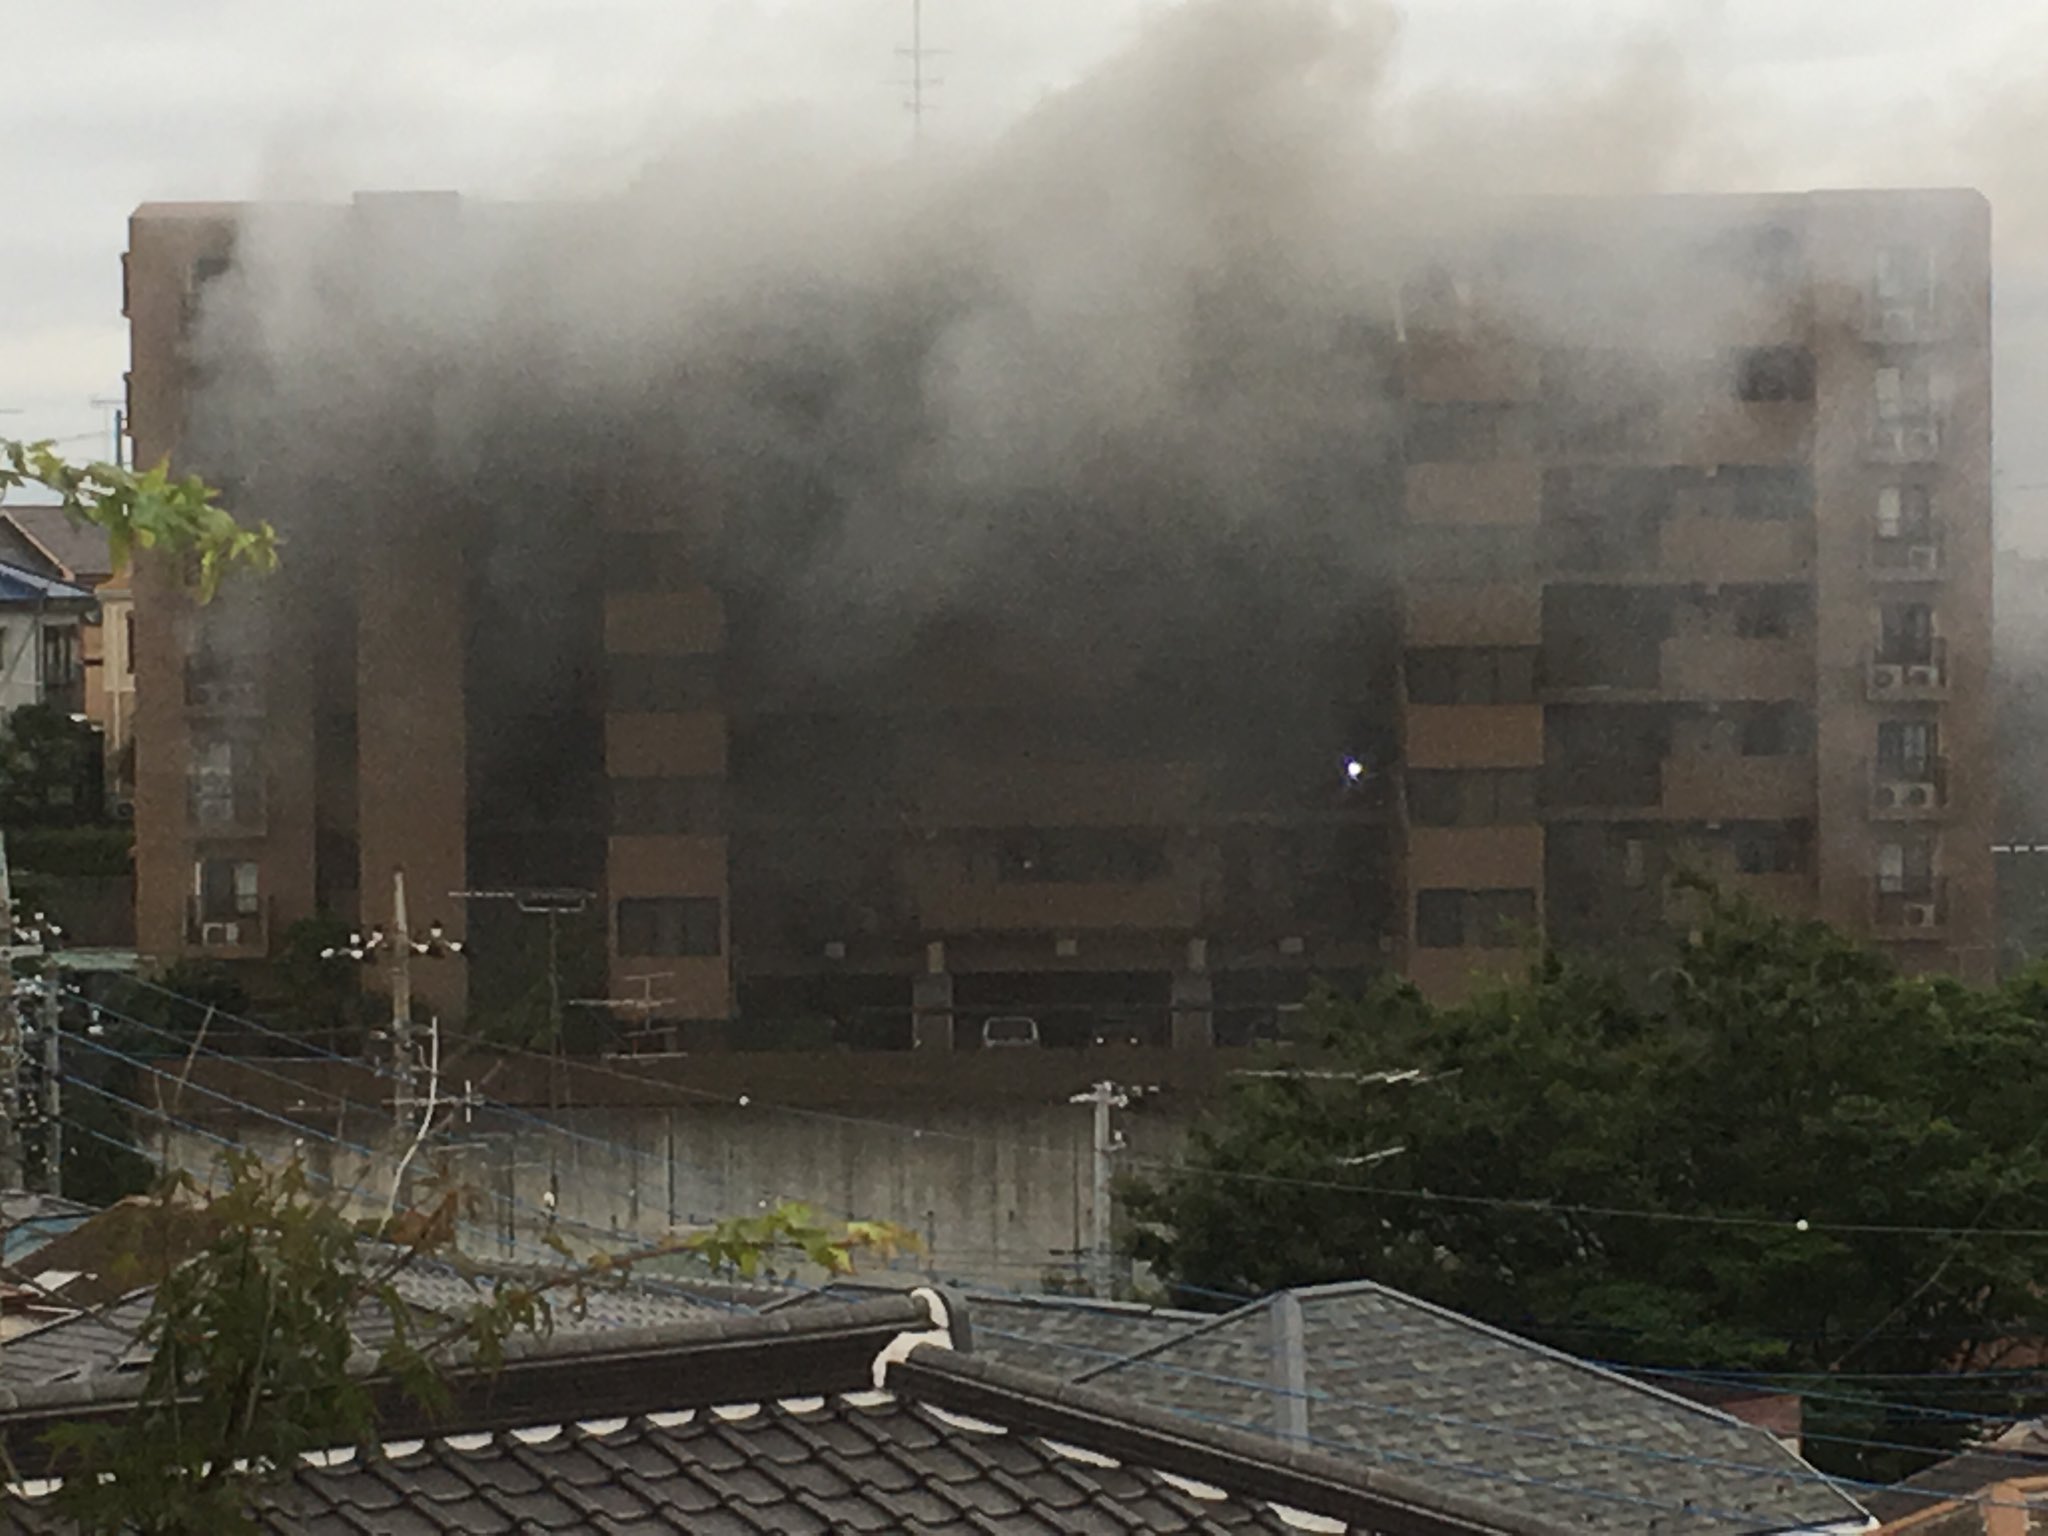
(1203, 1331)
(1241, 1462)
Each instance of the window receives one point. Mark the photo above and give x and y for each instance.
(1775, 730)
(1905, 868)
(224, 784)
(1905, 278)
(1471, 798)
(1635, 863)
(1903, 394)
(668, 806)
(1766, 375)
(662, 684)
(1770, 849)
(1905, 634)
(63, 676)
(669, 925)
(1907, 749)
(1472, 675)
(127, 643)
(1455, 919)
(227, 889)
(1905, 512)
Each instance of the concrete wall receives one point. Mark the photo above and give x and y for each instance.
(1000, 1195)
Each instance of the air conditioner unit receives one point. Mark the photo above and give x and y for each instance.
(1885, 675)
(220, 935)
(1923, 557)
(835, 949)
(1918, 796)
(1923, 675)
(1918, 914)
(1291, 945)
(1887, 797)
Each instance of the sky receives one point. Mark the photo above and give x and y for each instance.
(133, 100)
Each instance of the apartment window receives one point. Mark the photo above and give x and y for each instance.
(1905, 278)
(1905, 868)
(1471, 798)
(1905, 512)
(1460, 432)
(667, 807)
(662, 684)
(1081, 857)
(1774, 374)
(1905, 634)
(1907, 749)
(1775, 730)
(224, 783)
(1903, 394)
(1472, 675)
(1635, 863)
(1458, 919)
(1770, 849)
(227, 889)
(650, 926)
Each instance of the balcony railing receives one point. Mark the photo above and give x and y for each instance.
(1914, 438)
(1909, 791)
(238, 928)
(1918, 674)
(1909, 908)
(1910, 557)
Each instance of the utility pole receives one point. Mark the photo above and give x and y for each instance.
(920, 82)
(10, 1038)
(1104, 1097)
(53, 1083)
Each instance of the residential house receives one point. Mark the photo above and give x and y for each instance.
(2008, 1469)
(44, 540)
(42, 647)
(874, 1417)
(2016, 1506)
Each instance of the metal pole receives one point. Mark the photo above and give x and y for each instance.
(10, 1038)
(1099, 1224)
(401, 999)
(53, 1086)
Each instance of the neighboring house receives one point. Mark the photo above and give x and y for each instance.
(868, 1417)
(42, 648)
(45, 541)
(2019, 1455)
(2017, 1506)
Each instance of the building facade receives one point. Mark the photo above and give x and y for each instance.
(1676, 568)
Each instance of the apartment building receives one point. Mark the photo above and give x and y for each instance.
(1681, 512)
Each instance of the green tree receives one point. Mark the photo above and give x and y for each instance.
(1736, 1172)
(145, 510)
(250, 1339)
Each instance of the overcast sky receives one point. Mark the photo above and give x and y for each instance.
(135, 100)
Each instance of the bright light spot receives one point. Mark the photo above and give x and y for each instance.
(1354, 770)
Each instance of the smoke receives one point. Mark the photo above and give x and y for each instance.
(1084, 382)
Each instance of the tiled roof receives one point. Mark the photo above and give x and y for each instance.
(774, 1424)
(2020, 1451)
(1368, 1371)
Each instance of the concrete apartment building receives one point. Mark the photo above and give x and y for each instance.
(1674, 599)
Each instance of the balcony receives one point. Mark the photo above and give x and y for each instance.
(1725, 786)
(1053, 907)
(1730, 667)
(1910, 558)
(234, 930)
(1916, 909)
(1908, 439)
(237, 808)
(212, 688)
(1918, 678)
(1909, 792)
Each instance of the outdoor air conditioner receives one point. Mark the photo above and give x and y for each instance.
(835, 949)
(1885, 675)
(1923, 557)
(1918, 796)
(1924, 675)
(1918, 914)
(222, 935)
(1887, 797)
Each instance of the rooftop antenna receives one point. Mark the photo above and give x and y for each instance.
(920, 82)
